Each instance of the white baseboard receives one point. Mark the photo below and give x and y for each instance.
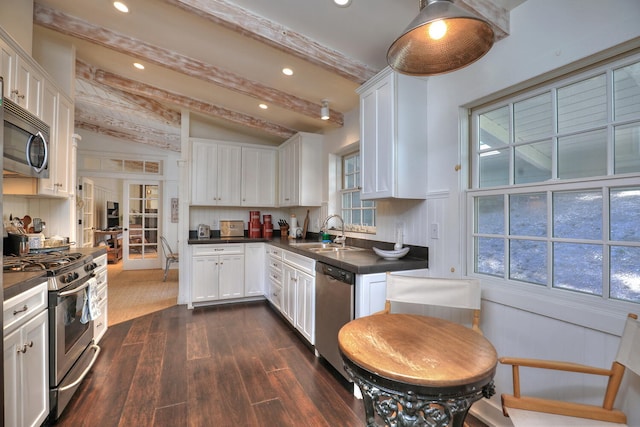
(490, 414)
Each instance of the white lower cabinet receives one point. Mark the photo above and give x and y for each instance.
(299, 293)
(26, 358)
(101, 322)
(274, 275)
(371, 290)
(253, 272)
(217, 272)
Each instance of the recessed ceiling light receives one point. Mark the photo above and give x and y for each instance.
(121, 6)
(138, 65)
(287, 71)
(342, 3)
(263, 106)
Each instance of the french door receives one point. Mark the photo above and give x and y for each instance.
(87, 214)
(141, 214)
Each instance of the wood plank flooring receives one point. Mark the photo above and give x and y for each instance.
(236, 365)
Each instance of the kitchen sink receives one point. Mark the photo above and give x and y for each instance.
(334, 249)
(320, 247)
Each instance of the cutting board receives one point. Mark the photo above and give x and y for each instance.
(305, 227)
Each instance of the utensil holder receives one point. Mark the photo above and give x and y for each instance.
(284, 231)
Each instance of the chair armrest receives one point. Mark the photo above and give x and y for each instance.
(568, 409)
(554, 364)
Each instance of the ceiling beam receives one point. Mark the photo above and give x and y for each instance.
(496, 15)
(126, 136)
(278, 36)
(69, 25)
(141, 89)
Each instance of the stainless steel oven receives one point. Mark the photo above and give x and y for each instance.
(72, 351)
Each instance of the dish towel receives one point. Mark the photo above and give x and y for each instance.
(90, 310)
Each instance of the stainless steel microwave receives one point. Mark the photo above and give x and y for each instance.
(26, 142)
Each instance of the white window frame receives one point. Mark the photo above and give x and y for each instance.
(588, 310)
(342, 191)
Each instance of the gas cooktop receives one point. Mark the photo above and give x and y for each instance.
(50, 261)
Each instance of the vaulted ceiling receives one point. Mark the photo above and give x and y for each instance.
(221, 59)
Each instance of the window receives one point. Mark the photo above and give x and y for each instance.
(359, 215)
(556, 192)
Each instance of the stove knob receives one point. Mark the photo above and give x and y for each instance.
(68, 278)
(75, 275)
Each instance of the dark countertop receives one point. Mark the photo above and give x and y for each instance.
(14, 283)
(358, 262)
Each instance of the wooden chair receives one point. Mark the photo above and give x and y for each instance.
(169, 255)
(452, 293)
(535, 411)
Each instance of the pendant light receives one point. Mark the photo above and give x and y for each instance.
(442, 38)
(324, 110)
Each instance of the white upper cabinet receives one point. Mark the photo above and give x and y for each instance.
(215, 174)
(393, 136)
(58, 114)
(301, 170)
(23, 81)
(259, 166)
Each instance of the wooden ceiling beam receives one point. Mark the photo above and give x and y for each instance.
(126, 136)
(149, 107)
(72, 26)
(494, 14)
(278, 36)
(141, 89)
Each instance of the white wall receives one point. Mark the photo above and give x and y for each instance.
(546, 35)
(96, 144)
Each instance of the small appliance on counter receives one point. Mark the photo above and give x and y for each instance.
(204, 231)
(231, 228)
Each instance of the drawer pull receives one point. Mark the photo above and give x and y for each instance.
(25, 308)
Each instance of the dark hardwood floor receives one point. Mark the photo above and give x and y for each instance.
(233, 365)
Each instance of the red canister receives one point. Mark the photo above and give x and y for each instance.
(254, 216)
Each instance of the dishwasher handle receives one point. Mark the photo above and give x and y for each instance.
(336, 273)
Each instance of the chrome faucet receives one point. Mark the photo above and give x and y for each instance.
(340, 239)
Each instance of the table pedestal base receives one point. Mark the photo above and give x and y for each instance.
(409, 408)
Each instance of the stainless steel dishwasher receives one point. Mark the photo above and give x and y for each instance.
(335, 307)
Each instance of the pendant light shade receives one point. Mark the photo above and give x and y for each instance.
(442, 38)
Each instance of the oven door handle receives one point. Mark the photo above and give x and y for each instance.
(86, 371)
(79, 288)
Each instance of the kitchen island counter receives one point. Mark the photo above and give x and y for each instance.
(363, 261)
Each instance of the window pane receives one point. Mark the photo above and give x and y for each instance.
(528, 214)
(528, 261)
(350, 181)
(112, 165)
(494, 168)
(356, 217)
(346, 201)
(533, 118)
(346, 216)
(577, 215)
(133, 166)
(490, 214)
(583, 104)
(490, 256)
(577, 267)
(582, 155)
(533, 163)
(624, 205)
(625, 273)
(152, 167)
(368, 217)
(627, 148)
(626, 92)
(494, 129)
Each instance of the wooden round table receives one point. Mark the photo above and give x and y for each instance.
(417, 370)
